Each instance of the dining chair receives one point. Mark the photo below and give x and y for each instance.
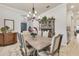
(27, 35)
(54, 48)
(25, 51)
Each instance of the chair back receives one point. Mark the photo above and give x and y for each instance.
(26, 35)
(56, 43)
(22, 43)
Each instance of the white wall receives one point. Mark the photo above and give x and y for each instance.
(69, 15)
(16, 15)
(77, 22)
(60, 15)
(13, 14)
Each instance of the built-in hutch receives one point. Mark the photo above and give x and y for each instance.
(49, 25)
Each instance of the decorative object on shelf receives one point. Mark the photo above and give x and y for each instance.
(47, 24)
(44, 20)
(5, 29)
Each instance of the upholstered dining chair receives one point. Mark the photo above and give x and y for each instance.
(54, 48)
(25, 51)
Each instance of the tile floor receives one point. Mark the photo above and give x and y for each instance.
(72, 49)
(11, 50)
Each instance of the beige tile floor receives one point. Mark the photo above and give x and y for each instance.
(72, 49)
(11, 50)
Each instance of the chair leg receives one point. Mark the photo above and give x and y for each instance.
(58, 53)
(25, 52)
(34, 53)
(22, 52)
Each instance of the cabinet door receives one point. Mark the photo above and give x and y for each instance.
(1, 39)
(14, 37)
(8, 38)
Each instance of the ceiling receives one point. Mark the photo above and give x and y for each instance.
(74, 7)
(39, 7)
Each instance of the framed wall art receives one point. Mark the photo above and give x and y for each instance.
(9, 23)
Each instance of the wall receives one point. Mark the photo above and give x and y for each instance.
(69, 15)
(13, 14)
(16, 15)
(60, 14)
(77, 24)
(77, 20)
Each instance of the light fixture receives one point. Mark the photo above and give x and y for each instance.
(72, 6)
(32, 14)
(47, 6)
(78, 12)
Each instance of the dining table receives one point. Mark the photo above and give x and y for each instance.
(39, 42)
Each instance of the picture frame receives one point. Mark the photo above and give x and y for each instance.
(9, 23)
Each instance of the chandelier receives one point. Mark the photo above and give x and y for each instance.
(32, 14)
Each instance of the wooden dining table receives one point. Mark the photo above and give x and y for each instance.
(39, 42)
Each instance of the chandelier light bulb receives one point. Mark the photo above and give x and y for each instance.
(39, 17)
(29, 12)
(35, 12)
(72, 6)
(33, 15)
(78, 12)
(28, 15)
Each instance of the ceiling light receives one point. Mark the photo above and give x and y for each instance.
(78, 12)
(47, 6)
(29, 12)
(72, 6)
(28, 15)
(39, 17)
(35, 12)
(32, 14)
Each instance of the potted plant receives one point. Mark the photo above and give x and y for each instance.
(44, 20)
(51, 18)
(4, 29)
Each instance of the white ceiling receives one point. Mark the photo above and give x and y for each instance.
(39, 7)
(75, 8)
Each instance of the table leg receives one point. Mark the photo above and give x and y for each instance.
(42, 33)
(35, 52)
